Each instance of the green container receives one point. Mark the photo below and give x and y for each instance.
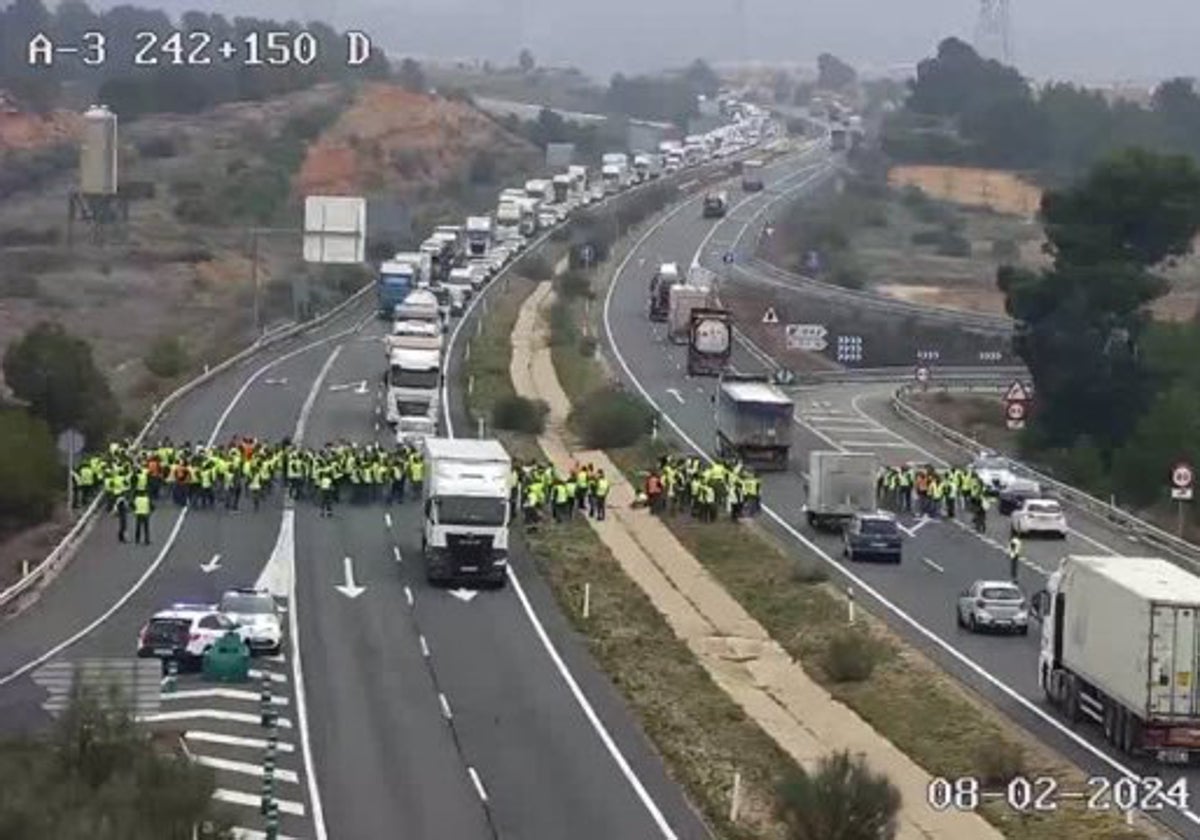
(228, 660)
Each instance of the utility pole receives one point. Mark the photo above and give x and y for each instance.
(993, 32)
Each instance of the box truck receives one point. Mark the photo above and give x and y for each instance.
(840, 484)
(682, 300)
(754, 423)
(660, 290)
(466, 510)
(1120, 647)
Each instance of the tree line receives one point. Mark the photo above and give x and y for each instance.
(965, 109)
(133, 90)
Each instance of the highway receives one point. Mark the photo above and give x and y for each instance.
(941, 557)
(444, 714)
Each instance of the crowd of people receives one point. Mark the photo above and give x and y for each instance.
(926, 490)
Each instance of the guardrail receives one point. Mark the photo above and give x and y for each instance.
(62, 553)
(1143, 530)
(942, 377)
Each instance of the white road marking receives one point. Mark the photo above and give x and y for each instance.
(222, 694)
(396, 554)
(1033, 708)
(478, 784)
(445, 704)
(932, 565)
(674, 392)
(250, 800)
(245, 768)
(240, 833)
(256, 674)
(408, 596)
(387, 519)
(884, 444)
(236, 741)
(210, 714)
(424, 646)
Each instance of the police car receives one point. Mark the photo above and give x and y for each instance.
(185, 631)
(256, 611)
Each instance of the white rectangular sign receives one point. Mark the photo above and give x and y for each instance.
(1181, 494)
(335, 229)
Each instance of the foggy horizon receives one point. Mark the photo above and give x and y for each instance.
(1049, 41)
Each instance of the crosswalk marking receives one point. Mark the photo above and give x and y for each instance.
(254, 834)
(236, 741)
(256, 674)
(222, 694)
(212, 714)
(245, 768)
(236, 797)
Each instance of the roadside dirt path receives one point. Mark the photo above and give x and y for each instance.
(735, 650)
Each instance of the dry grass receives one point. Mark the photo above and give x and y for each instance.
(998, 190)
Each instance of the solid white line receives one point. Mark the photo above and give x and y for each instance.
(310, 399)
(445, 704)
(244, 768)
(885, 444)
(179, 520)
(424, 646)
(387, 519)
(250, 800)
(396, 554)
(221, 694)
(478, 784)
(209, 714)
(236, 741)
(933, 565)
(256, 674)
(800, 421)
(849, 573)
(408, 595)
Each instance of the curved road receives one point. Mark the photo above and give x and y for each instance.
(414, 710)
(941, 557)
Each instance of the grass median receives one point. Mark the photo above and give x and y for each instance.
(703, 736)
(939, 723)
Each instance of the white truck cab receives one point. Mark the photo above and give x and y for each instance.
(414, 379)
(466, 511)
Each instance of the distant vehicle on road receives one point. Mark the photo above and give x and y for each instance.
(1039, 516)
(1018, 491)
(255, 610)
(993, 605)
(994, 471)
(715, 205)
(873, 535)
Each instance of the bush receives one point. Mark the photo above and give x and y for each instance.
(587, 347)
(158, 147)
(30, 477)
(563, 331)
(926, 237)
(841, 798)
(954, 245)
(850, 656)
(849, 277)
(1005, 250)
(810, 573)
(518, 414)
(167, 357)
(611, 419)
(575, 284)
(537, 268)
(998, 762)
(482, 169)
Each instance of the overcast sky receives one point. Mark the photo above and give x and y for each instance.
(1088, 39)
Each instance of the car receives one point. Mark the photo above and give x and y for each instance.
(993, 605)
(256, 611)
(480, 272)
(995, 472)
(185, 631)
(1016, 493)
(873, 535)
(458, 300)
(1039, 516)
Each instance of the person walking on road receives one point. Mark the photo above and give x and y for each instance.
(121, 511)
(141, 517)
(1014, 557)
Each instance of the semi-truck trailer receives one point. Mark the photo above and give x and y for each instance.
(479, 236)
(754, 423)
(660, 290)
(710, 343)
(413, 382)
(466, 510)
(1120, 646)
(840, 484)
(392, 285)
(682, 300)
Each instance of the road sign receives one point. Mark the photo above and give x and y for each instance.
(922, 374)
(1182, 475)
(335, 229)
(810, 337)
(990, 355)
(849, 348)
(727, 258)
(1016, 393)
(769, 317)
(1181, 494)
(928, 355)
(70, 443)
(1014, 414)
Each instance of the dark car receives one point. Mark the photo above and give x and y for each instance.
(873, 535)
(1019, 491)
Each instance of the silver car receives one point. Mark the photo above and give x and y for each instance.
(258, 614)
(993, 605)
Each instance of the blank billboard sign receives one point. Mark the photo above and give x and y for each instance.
(335, 229)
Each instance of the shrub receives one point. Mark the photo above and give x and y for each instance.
(849, 277)
(926, 237)
(575, 284)
(29, 236)
(1005, 250)
(30, 479)
(482, 169)
(913, 196)
(850, 656)
(810, 573)
(587, 347)
(167, 357)
(954, 245)
(610, 419)
(537, 268)
(998, 762)
(518, 414)
(158, 147)
(562, 325)
(841, 798)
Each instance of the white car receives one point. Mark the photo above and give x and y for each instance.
(255, 610)
(1039, 516)
(185, 632)
(993, 605)
(994, 471)
(481, 270)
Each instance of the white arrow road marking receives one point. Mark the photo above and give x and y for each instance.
(674, 392)
(350, 589)
(256, 674)
(345, 387)
(912, 532)
(212, 565)
(282, 381)
(464, 595)
(362, 387)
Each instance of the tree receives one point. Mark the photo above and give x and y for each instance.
(411, 76)
(31, 479)
(526, 61)
(957, 80)
(54, 373)
(97, 776)
(834, 74)
(702, 78)
(842, 800)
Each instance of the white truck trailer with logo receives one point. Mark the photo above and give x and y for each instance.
(1120, 646)
(579, 182)
(466, 510)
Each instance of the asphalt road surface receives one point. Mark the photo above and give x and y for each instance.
(442, 714)
(941, 557)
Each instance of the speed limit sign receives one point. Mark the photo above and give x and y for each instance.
(1182, 478)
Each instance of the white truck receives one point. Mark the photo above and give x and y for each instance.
(754, 423)
(508, 219)
(466, 510)
(529, 224)
(840, 484)
(479, 236)
(414, 378)
(420, 266)
(414, 335)
(456, 238)
(579, 182)
(752, 175)
(419, 305)
(682, 299)
(1120, 647)
(562, 190)
(647, 166)
(613, 178)
(541, 189)
(461, 282)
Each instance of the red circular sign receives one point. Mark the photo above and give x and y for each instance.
(1015, 411)
(1182, 476)
(922, 374)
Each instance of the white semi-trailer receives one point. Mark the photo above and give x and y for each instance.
(1120, 647)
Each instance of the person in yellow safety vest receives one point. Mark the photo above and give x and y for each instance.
(120, 509)
(583, 481)
(1014, 557)
(257, 478)
(514, 489)
(399, 475)
(85, 481)
(982, 503)
(416, 474)
(752, 492)
(709, 507)
(735, 498)
(562, 501)
(600, 496)
(141, 517)
(952, 486)
(569, 481)
(325, 485)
